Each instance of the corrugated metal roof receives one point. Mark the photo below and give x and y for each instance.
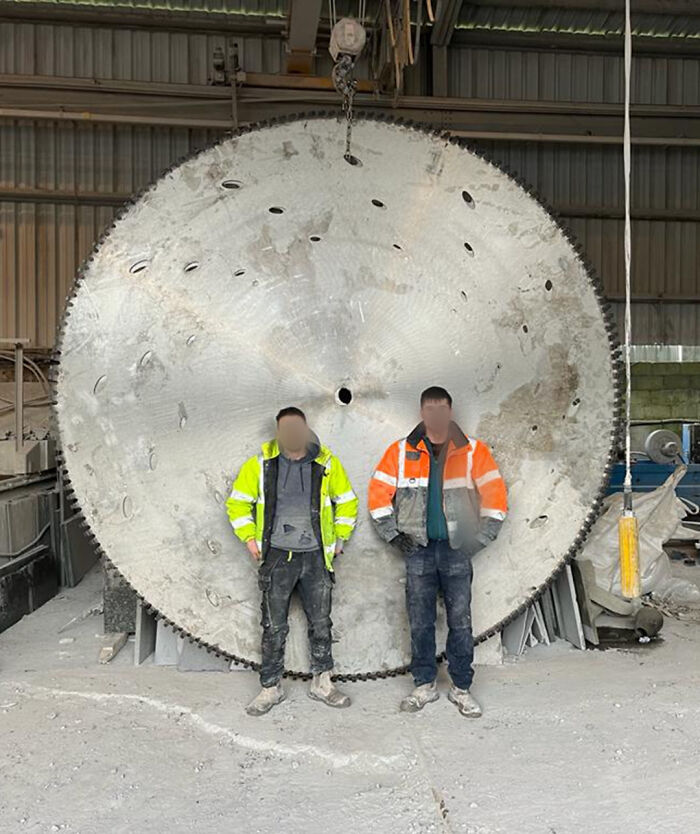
(254, 8)
(536, 18)
(576, 21)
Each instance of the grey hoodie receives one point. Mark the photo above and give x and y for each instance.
(292, 528)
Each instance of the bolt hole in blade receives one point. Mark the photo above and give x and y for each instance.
(343, 396)
(352, 160)
(468, 248)
(138, 266)
(540, 521)
(276, 210)
(350, 310)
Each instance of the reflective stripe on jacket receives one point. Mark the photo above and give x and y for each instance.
(251, 504)
(474, 494)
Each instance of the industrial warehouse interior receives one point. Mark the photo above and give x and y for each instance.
(349, 416)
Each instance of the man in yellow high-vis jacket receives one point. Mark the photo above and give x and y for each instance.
(294, 507)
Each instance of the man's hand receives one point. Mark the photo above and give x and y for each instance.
(404, 542)
(339, 547)
(253, 548)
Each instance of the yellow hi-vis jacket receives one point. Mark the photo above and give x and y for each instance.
(251, 505)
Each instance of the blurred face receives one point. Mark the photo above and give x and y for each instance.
(436, 414)
(292, 433)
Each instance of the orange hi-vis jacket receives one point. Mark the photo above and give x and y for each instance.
(474, 494)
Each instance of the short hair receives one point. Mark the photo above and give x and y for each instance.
(435, 392)
(290, 411)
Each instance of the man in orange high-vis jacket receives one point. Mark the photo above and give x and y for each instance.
(439, 497)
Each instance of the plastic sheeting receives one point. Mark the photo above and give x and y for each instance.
(659, 514)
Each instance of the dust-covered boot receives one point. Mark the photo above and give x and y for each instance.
(465, 701)
(421, 695)
(323, 689)
(267, 698)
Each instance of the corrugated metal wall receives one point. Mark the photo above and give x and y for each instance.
(665, 180)
(590, 178)
(125, 54)
(529, 74)
(42, 242)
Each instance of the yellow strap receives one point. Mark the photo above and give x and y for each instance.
(289, 558)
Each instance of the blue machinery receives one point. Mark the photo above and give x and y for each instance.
(664, 451)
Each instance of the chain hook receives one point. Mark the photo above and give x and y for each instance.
(347, 41)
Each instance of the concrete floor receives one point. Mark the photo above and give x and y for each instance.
(570, 742)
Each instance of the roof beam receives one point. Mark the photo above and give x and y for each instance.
(304, 17)
(574, 42)
(261, 97)
(88, 14)
(446, 16)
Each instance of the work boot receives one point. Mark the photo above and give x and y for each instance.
(421, 695)
(465, 701)
(323, 689)
(267, 698)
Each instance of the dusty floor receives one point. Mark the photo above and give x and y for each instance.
(570, 742)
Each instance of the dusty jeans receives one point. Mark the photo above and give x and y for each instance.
(430, 569)
(278, 577)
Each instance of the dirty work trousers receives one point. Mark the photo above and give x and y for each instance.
(430, 569)
(278, 576)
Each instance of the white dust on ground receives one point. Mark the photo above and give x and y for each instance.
(570, 742)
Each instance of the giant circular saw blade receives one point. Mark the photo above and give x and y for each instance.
(266, 271)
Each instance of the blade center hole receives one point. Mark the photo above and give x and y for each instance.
(343, 396)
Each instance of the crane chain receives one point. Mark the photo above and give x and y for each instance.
(346, 85)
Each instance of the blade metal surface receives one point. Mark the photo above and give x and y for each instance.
(266, 271)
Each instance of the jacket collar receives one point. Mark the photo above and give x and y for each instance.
(271, 449)
(456, 435)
